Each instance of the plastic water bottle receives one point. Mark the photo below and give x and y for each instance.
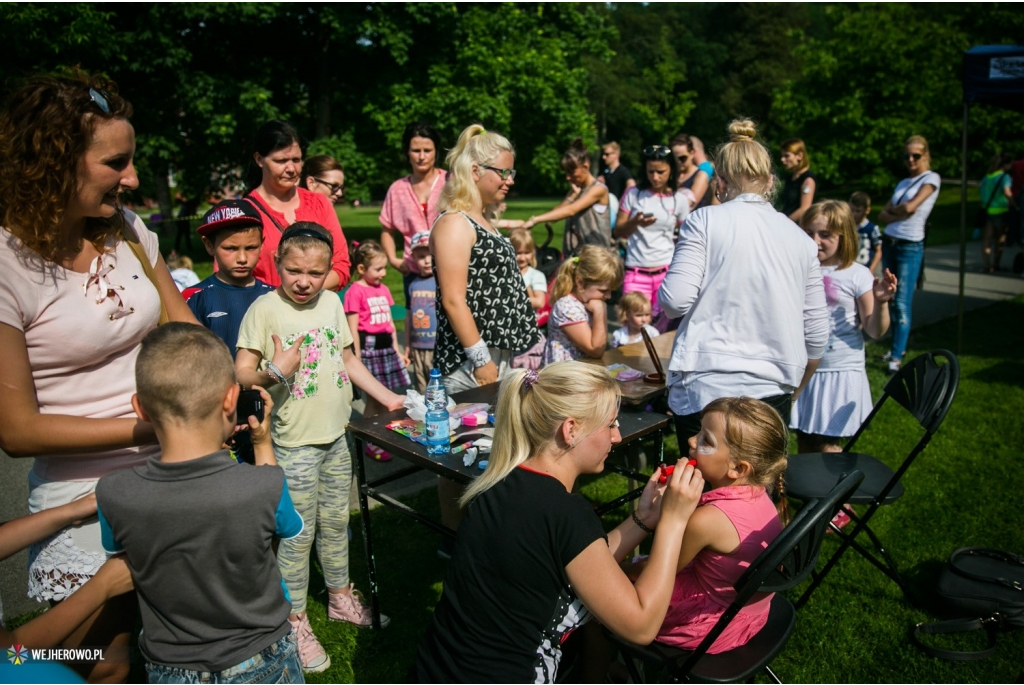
(438, 432)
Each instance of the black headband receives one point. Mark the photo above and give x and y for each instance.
(307, 233)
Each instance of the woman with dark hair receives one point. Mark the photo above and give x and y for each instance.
(691, 176)
(83, 284)
(585, 209)
(324, 174)
(273, 177)
(649, 217)
(410, 207)
(798, 190)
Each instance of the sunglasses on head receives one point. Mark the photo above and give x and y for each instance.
(656, 152)
(101, 99)
(912, 156)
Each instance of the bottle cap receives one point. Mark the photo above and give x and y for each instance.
(435, 373)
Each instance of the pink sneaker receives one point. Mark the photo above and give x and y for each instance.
(312, 655)
(352, 609)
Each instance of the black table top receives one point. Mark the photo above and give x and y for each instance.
(632, 426)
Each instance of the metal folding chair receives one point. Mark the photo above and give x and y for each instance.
(787, 562)
(926, 390)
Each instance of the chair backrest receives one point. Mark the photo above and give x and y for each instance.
(787, 561)
(924, 388)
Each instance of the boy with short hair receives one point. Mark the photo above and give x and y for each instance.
(233, 235)
(198, 527)
(870, 252)
(421, 320)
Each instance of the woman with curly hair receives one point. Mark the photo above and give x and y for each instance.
(75, 302)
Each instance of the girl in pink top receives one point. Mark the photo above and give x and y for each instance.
(75, 303)
(741, 452)
(274, 176)
(410, 207)
(368, 308)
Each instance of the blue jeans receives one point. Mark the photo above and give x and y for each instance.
(904, 260)
(278, 663)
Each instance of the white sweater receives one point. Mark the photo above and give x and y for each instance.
(747, 281)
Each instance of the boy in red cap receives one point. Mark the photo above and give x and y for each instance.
(233, 235)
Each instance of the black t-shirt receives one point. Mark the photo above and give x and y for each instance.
(789, 198)
(616, 180)
(507, 604)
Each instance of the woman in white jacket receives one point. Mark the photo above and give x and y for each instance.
(747, 283)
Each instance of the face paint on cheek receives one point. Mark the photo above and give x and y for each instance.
(706, 444)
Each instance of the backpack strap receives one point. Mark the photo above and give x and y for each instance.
(956, 626)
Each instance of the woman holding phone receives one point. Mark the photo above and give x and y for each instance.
(649, 216)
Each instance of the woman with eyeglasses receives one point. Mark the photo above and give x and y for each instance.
(906, 214)
(747, 283)
(411, 205)
(691, 176)
(76, 300)
(798, 191)
(649, 216)
(274, 177)
(586, 207)
(484, 316)
(324, 174)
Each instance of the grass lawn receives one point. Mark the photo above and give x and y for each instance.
(959, 492)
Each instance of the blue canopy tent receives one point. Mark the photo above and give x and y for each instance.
(993, 75)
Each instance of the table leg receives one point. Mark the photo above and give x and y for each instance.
(364, 514)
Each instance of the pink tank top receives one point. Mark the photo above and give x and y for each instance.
(704, 589)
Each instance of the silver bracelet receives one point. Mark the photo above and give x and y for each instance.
(276, 373)
(478, 354)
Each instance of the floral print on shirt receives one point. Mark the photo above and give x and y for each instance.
(315, 342)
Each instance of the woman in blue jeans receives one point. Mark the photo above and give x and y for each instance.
(906, 214)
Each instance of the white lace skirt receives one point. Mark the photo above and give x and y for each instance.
(62, 563)
(834, 403)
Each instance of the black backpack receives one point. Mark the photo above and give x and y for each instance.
(978, 588)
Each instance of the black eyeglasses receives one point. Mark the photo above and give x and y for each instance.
(101, 99)
(912, 156)
(505, 174)
(656, 152)
(335, 187)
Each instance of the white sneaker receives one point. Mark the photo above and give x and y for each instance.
(894, 365)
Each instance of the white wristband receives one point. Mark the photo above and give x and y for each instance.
(478, 354)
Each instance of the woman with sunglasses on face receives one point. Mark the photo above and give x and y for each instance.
(411, 205)
(273, 176)
(691, 176)
(649, 217)
(484, 316)
(906, 214)
(586, 207)
(75, 303)
(324, 174)
(747, 283)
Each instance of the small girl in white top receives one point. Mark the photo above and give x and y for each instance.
(635, 314)
(526, 260)
(837, 398)
(649, 217)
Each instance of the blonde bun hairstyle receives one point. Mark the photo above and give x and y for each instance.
(743, 163)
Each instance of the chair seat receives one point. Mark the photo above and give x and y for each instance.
(735, 665)
(812, 475)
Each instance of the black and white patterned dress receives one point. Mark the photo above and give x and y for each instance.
(497, 299)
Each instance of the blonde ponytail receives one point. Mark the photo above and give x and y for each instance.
(476, 145)
(531, 407)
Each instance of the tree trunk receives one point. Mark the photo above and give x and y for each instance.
(163, 198)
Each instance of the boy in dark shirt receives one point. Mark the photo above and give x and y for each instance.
(869, 253)
(421, 322)
(233, 235)
(198, 527)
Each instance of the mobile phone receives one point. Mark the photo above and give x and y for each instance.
(250, 403)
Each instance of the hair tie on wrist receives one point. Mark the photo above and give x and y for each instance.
(641, 524)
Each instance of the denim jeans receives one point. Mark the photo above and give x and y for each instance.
(278, 663)
(904, 260)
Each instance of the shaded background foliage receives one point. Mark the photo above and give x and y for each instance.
(853, 80)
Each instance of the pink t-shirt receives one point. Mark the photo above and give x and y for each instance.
(403, 212)
(373, 304)
(82, 361)
(312, 207)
